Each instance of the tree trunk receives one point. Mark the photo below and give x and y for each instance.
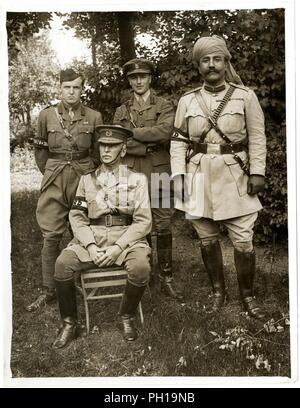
(126, 35)
(28, 116)
(94, 53)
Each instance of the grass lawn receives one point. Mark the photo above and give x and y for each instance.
(176, 340)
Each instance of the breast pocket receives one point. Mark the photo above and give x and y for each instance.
(239, 176)
(150, 118)
(232, 118)
(85, 134)
(196, 123)
(54, 135)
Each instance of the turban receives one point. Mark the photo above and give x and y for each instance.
(216, 45)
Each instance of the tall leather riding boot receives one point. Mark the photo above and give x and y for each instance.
(66, 294)
(131, 298)
(245, 268)
(213, 261)
(50, 252)
(164, 255)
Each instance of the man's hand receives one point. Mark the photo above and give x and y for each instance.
(95, 253)
(110, 255)
(181, 189)
(256, 183)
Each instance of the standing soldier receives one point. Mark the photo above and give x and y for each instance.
(111, 218)
(223, 124)
(151, 119)
(64, 150)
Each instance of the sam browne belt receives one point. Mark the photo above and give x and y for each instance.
(112, 220)
(69, 155)
(210, 148)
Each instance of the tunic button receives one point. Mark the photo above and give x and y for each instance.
(140, 113)
(213, 141)
(68, 162)
(142, 126)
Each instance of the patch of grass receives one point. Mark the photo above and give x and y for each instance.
(176, 340)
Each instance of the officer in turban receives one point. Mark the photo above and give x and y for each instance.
(219, 134)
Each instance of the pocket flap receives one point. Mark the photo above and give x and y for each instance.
(85, 129)
(234, 107)
(196, 159)
(194, 113)
(151, 115)
(53, 127)
(230, 160)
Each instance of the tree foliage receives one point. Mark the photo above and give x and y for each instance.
(33, 83)
(21, 26)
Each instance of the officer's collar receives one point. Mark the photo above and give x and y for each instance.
(145, 96)
(214, 89)
(119, 173)
(63, 107)
(152, 98)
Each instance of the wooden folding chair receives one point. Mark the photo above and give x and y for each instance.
(95, 281)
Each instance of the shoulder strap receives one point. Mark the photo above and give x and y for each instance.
(130, 117)
(61, 122)
(201, 103)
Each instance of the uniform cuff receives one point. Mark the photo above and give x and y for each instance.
(121, 245)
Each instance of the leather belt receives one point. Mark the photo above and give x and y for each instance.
(210, 148)
(69, 155)
(112, 220)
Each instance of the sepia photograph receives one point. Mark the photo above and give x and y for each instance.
(149, 164)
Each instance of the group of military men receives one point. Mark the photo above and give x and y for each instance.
(98, 178)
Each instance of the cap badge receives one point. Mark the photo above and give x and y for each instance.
(108, 133)
(136, 66)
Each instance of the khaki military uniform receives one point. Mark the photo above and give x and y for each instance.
(62, 158)
(225, 183)
(148, 152)
(99, 194)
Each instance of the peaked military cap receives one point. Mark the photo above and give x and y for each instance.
(138, 66)
(112, 134)
(69, 75)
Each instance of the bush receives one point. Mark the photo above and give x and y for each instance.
(22, 159)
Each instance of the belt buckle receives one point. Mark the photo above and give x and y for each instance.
(108, 220)
(69, 156)
(213, 148)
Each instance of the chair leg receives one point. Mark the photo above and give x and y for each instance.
(141, 313)
(87, 317)
(86, 306)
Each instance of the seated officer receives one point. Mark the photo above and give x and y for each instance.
(110, 218)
